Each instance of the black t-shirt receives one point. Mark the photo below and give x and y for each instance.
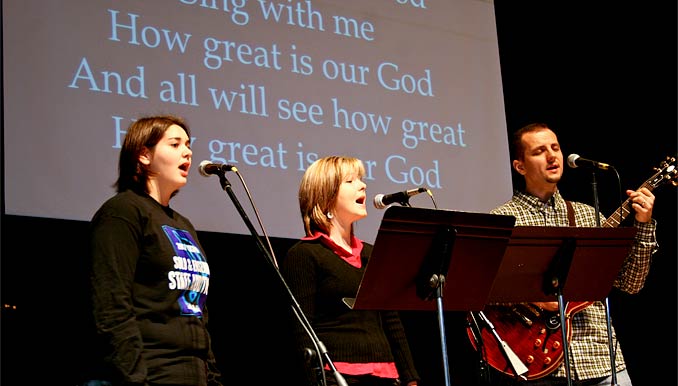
(149, 280)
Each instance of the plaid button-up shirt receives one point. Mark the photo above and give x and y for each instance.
(589, 345)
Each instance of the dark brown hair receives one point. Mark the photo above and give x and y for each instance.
(144, 133)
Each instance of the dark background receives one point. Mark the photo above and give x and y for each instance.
(602, 75)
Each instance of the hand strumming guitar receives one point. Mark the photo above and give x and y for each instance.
(548, 306)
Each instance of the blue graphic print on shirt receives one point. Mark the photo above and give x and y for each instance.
(191, 273)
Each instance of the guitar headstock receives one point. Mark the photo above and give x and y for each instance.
(665, 173)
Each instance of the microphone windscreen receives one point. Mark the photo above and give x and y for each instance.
(572, 160)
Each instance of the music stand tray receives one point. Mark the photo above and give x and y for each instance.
(414, 243)
(586, 261)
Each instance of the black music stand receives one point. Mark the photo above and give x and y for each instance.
(421, 255)
(563, 264)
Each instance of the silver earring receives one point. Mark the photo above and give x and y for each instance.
(330, 215)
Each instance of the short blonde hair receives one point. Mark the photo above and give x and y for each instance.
(319, 189)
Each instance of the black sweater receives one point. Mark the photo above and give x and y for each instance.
(320, 280)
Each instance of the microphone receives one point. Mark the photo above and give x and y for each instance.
(208, 168)
(575, 161)
(381, 201)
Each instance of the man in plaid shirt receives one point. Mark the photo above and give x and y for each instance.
(538, 158)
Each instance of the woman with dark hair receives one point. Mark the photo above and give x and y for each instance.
(148, 276)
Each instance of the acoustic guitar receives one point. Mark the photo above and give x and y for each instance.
(524, 340)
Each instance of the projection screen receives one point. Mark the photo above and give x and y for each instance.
(413, 88)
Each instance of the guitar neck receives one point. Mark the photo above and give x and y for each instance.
(623, 211)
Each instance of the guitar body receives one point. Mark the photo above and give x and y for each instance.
(533, 334)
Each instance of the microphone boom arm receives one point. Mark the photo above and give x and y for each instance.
(226, 185)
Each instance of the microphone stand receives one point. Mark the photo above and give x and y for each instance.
(608, 319)
(596, 204)
(483, 376)
(226, 186)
